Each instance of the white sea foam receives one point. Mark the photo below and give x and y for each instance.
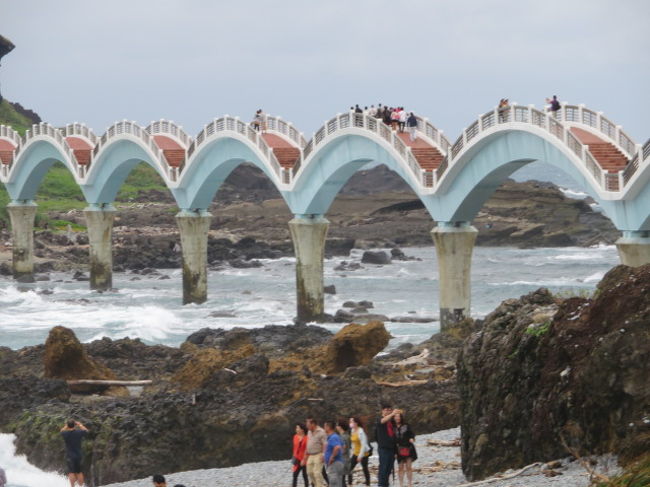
(20, 473)
(571, 193)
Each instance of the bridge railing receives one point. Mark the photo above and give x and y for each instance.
(546, 121)
(582, 115)
(277, 124)
(642, 157)
(431, 132)
(126, 127)
(79, 129)
(363, 121)
(45, 129)
(8, 133)
(234, 124)
(168, 127)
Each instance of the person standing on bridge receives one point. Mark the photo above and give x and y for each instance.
(412, 124)
(403, 116)
(554, 105)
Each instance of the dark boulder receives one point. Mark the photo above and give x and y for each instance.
(377, 257)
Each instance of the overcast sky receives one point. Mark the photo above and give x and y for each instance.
(193, 60)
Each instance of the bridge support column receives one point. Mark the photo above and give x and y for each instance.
(100, 243)
(22, 232)
(454, 245)
(634, 248)
(308, 233)
(194, 226)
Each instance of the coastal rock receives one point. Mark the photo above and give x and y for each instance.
(65, 358)
(542, 372)
(377, 257)
(331, 289)
(348, 266)
(355, 345)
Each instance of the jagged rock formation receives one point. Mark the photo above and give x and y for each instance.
(542, 371)
(6, 46)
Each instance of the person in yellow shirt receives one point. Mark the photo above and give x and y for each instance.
(361, 450)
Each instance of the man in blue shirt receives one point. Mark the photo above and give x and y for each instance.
(333, 455)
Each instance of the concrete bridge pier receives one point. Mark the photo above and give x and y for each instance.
(634, 248)
(22, 216)
(99, 221)
(194, 227)
(308, 233)
(454, 245)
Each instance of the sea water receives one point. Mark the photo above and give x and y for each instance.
(150, 308)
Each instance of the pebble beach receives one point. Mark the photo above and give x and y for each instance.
(437, 466)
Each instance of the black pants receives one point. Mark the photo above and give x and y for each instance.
(364, 466)
(302, 468)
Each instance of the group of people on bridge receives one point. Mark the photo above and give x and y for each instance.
(329, 455)
(397, 118)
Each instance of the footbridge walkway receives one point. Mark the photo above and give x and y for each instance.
(453, 180)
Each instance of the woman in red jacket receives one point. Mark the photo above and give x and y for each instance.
(299, 447)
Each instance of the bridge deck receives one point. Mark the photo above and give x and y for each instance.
(427, 155)
(81, 149)
(606, 154)
(286, 153)
(6, 152)
(173, 151)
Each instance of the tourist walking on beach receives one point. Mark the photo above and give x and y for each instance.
(299, 448)
(333, 455)
(554, 105)
(406, 453)
(343, 429)
(316, 444)
(159, 481)
(73, 433)
(360, 449)
(385, 436)
(412, 124)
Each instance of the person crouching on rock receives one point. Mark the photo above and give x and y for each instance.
(73, 432)
(299, 447)
(316, 444)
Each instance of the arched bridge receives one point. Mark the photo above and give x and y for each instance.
(452, 179)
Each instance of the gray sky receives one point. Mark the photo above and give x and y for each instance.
(192, 60)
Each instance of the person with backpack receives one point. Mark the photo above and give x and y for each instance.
(412, 124)
(361, 449)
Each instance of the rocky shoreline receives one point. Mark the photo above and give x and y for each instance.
(539, 378)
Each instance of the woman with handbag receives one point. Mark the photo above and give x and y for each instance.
(406, 453)
(299, 447)
(361, 449)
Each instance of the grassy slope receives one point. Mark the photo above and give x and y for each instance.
(59, 192)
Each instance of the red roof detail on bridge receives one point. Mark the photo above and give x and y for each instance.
(608, 156)
(81, 149)
(428, 157)
(286, 153)
(174, 152)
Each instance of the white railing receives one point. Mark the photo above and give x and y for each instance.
(582, 115)
(168, 127)
(548, 122)
(277, 124)
(642, 156)
(234, 124)
(435, 135)
(45, 129)
(363, 121)
(79, 129)
(7, 132)
(126, 127)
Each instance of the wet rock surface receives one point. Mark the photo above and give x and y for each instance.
(542, 371)
(228, 389)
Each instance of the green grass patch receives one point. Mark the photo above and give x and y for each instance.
(9, 116)
(143, 178)
(538, 330)
(635, 475)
